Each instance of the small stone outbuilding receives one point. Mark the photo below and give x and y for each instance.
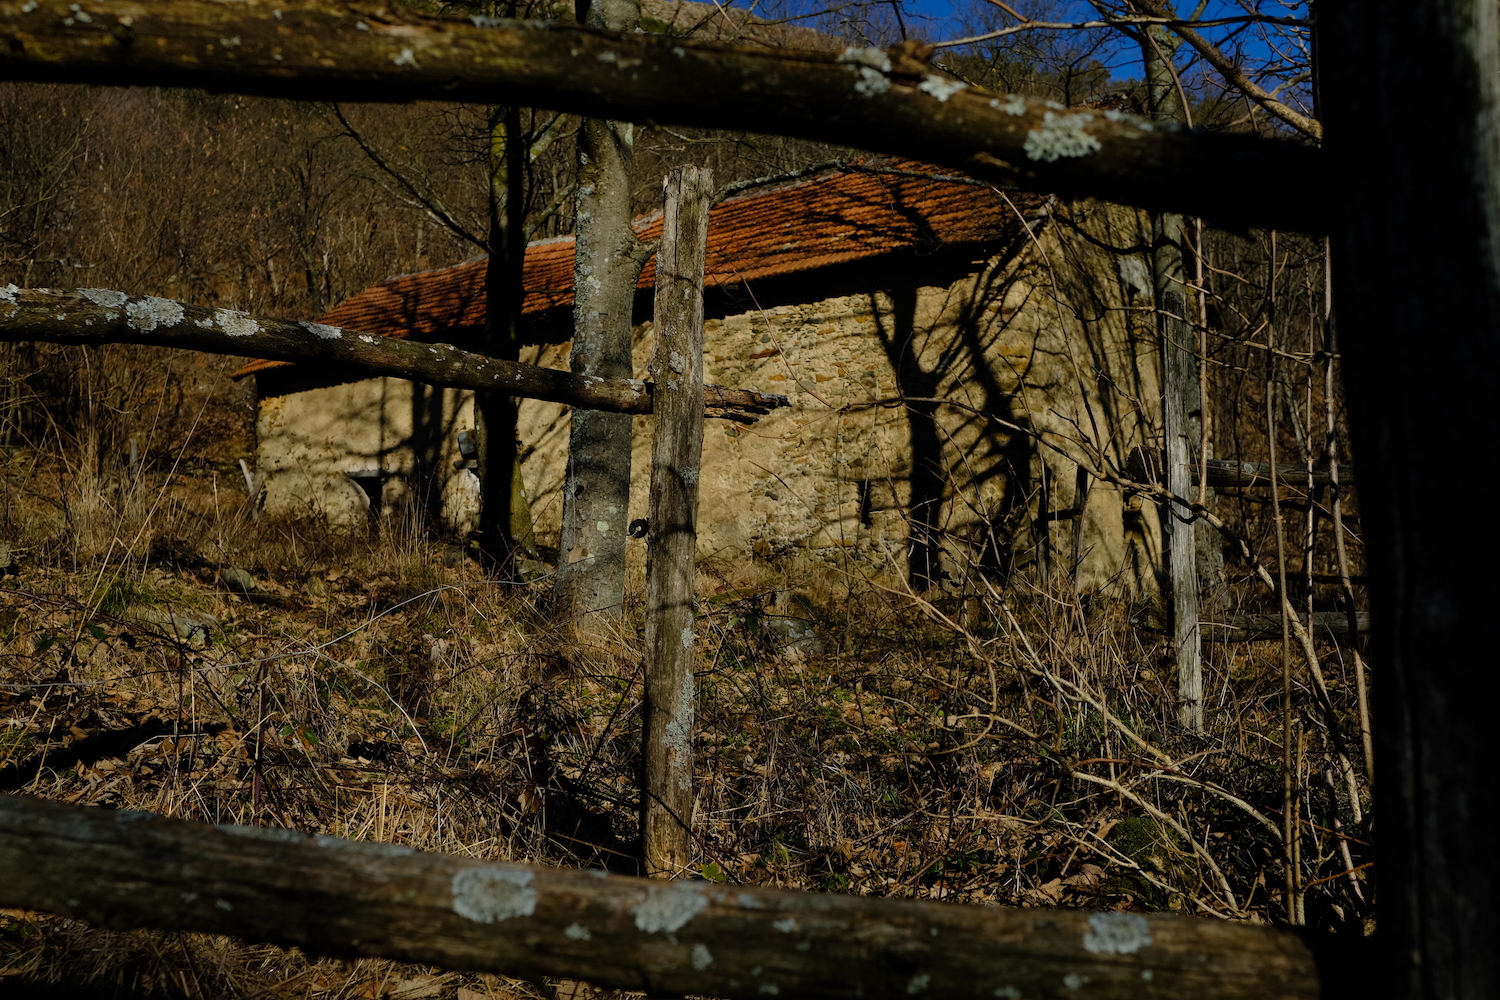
(951, 352)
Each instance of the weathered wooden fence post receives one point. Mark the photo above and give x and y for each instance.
(1180, 402)
(676, 454)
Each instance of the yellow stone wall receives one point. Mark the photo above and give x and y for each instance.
(910, 402)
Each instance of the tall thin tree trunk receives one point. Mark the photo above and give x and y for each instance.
(504, 518)
(596, 495)
(1181, 406)
(1411, 93)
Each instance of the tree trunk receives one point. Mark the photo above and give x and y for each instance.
(98, 316)
(858, 97)
(676, 458)
(596, 495)
(1412, 96)
(505, 533)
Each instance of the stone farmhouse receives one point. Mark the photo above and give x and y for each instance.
(951, 353)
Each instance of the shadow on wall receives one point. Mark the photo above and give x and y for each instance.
(1012, 385)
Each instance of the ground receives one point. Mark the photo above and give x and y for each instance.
(164, 647)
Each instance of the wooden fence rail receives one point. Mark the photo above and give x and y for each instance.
(332, 896)
(99, 316)
(385, 52)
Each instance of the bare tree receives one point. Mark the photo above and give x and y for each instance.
(596, 495)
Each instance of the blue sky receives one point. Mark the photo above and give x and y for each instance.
(941, 20)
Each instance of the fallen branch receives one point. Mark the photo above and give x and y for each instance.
(332, 896)
(98, 316)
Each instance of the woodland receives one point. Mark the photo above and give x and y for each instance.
(992, 741)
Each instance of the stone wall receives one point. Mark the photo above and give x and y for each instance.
(934, 434)
(315, 448)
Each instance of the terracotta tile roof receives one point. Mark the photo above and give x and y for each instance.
(829, 219)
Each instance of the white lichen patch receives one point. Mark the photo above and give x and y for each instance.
(224, 904)
(485, 21)
(871, 66)
(919, 983)
(8, 292)
(871, 83)
(940, 87)
(488, 895)
(405, 59)
(750, 902)
(1116, 933)
(232, 42)
(677, 362)
(578, 932)
(667, 908)
(1061, 136)
(1006, 993)
(106, 297)
(149, 312)
(770, 989)
(785, 926)
(624, 62)
(236, 323)
(1074, 981)
(324, 332)
(702, 958)
(690, 477)
(1015, 104)
(687, 637)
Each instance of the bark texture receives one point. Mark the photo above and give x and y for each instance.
(1411, 94)
(1181, 403)
(865, 98)
(676, 459)
(97, 316)
(596, 495)
(326, 895)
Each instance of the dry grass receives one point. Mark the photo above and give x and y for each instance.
(1008, 748)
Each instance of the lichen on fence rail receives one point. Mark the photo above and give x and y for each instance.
(128, 869)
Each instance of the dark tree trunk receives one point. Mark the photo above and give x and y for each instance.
(504, 515)
(1411, 106)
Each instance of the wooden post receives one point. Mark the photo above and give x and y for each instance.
(1179, 384)
(1181, 406)
(676, 456)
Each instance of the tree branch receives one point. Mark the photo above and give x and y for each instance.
(1309, 127)
(866, 98)
(98, 316)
